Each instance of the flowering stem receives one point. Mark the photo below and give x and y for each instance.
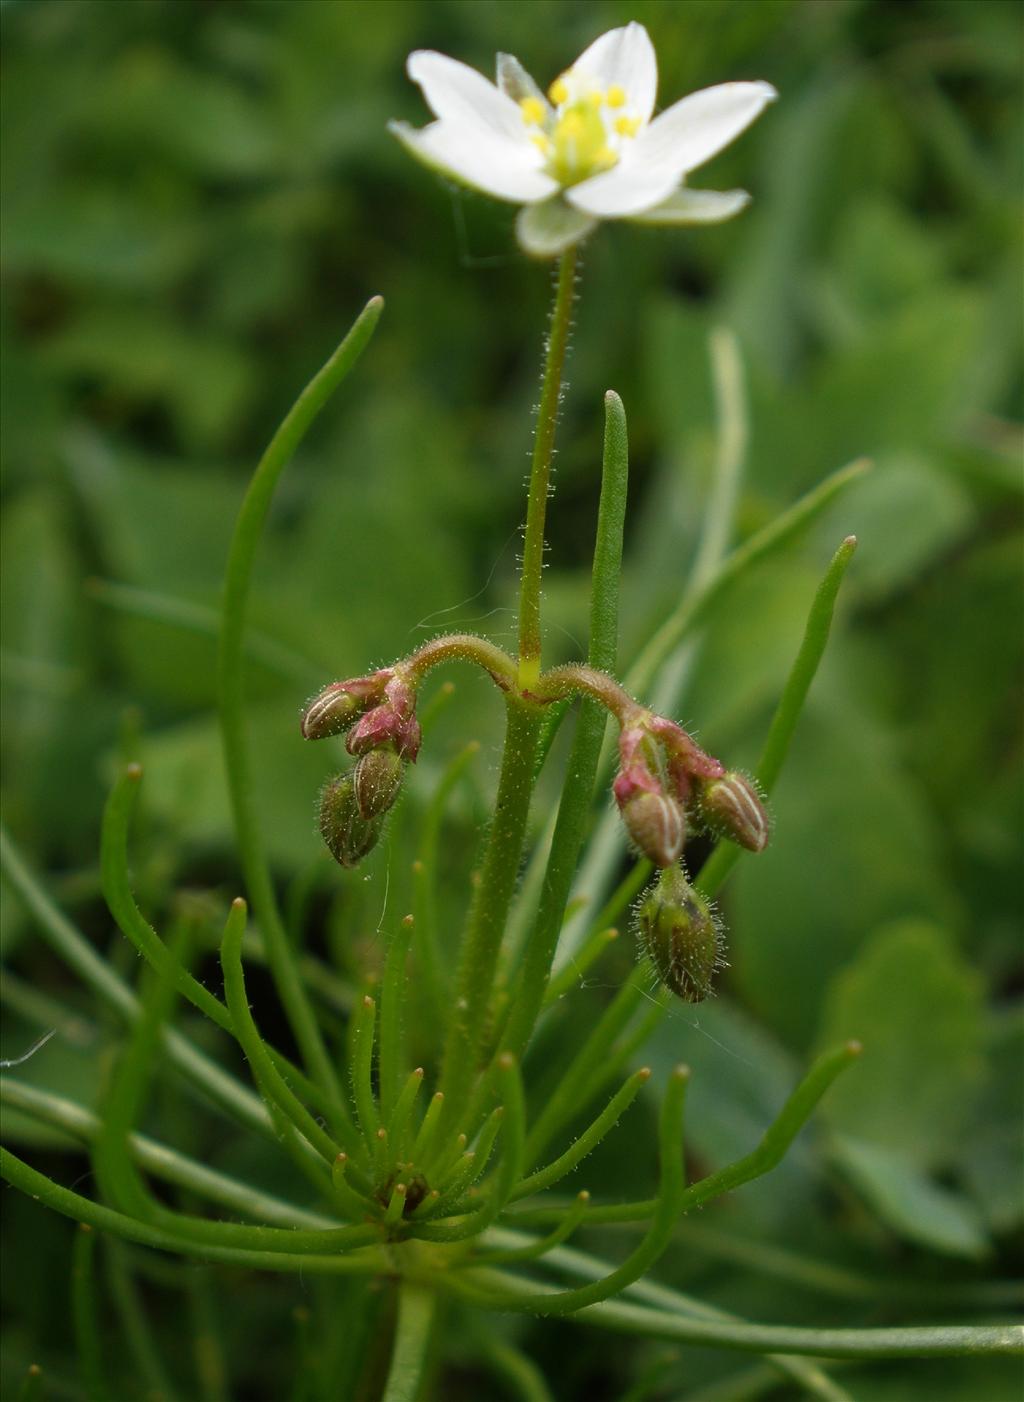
(576, 678)
(461, 647)
(540, 471)
(489, 913)
(600, 691)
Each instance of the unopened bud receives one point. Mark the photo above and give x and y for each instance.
(393, 722)
(731, 807)
(347, 833)
(655, 825)
(376, 780)
(338, 705)
(680, 934)
(385, 725)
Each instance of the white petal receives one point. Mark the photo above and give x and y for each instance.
(630, 188)
(459, 94)
(516, 83)
(492, 164)
(624, 58)
(549, 228)
(695, 129)
(696, 207)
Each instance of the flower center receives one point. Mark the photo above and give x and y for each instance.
(587, 130)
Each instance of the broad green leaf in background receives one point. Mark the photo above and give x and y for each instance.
(917, 1007)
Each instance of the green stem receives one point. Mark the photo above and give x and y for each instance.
(160, 1160)
(460, 647)
(576, 970)
(241, 558)
(117, 892)
(572, 1218)
(268, 1078)
(393, 999)
(361, 1036)
(587, 1141)
(425, 893)
(924, 1341)
(655, 1240)
(82, 1209)
(479, 955)
(540, 471)
(412, 1343)
(574, 809)
(565, 1102)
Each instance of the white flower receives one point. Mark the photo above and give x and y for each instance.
(590, 149)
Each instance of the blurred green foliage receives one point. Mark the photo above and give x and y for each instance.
(197, 198)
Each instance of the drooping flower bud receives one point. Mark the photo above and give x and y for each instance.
(348, 834)
(679, 933)
(652, 817)
(335, 708)
(394, 721)
(731, 807)
(655, 825)
(376, 781)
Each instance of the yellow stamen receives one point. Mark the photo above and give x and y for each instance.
(595, 98)
(533, 111)
(627, 126)
(542, 142)
(616, 96)
(559, 92)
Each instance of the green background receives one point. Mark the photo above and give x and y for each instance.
(198, 198)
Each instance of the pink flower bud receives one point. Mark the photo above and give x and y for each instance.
(337, 706)
(347, 833)
(384, 725)
(376, 781)
(655, 825)
(680, 934)
(393, 722)
(731, 807)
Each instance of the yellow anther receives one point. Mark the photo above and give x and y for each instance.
(627, 126)
(542, 143)
(559, 92)
(595, 98)
(616, 96)
(533, 111)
